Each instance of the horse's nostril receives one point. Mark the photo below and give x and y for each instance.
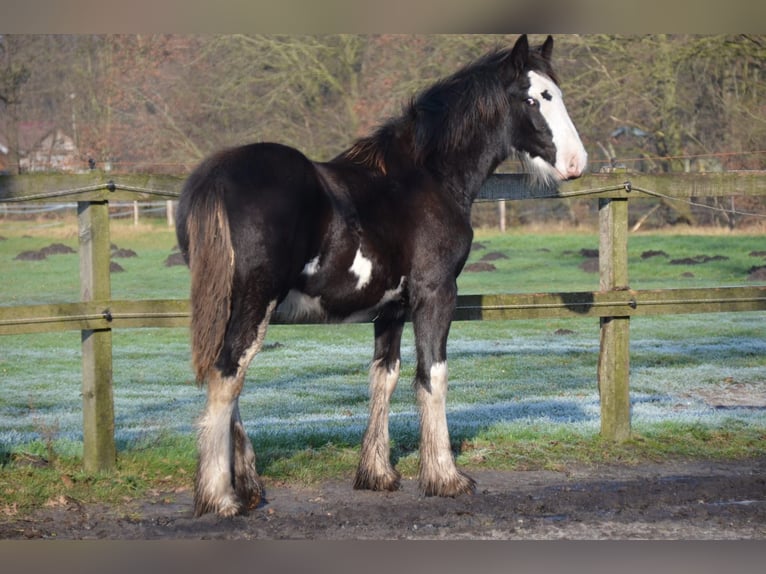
(576, 166)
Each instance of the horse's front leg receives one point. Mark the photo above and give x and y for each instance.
(432, 315)
(375, 471)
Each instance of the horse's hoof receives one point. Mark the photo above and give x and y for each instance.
(388, 481)
(229, 509)
(225, 508)
(249, 492)
(253, 500)
(455, 485)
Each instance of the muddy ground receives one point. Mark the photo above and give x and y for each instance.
(684, 500)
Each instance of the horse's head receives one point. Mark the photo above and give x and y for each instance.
(541, 131)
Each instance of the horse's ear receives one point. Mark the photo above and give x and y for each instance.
(520, 53)
(547, 49)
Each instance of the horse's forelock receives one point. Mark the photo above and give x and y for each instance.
(538, 63)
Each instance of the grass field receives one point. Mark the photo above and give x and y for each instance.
(534, 262)
(522, 393)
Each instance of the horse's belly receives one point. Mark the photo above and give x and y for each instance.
(334, 305)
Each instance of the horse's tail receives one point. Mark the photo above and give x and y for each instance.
(205, 240)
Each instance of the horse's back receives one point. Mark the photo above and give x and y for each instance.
(252, 170)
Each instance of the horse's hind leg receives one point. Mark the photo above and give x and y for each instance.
(247, 485)
(227, 481)
(213, 490)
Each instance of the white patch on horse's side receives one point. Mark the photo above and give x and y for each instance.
(571, 157)
(298, 306)
(362, 268)
(312, 267)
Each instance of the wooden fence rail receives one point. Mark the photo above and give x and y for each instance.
(96, 315)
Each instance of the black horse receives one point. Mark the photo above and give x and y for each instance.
(382, 228)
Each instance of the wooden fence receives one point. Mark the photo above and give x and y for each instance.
(97, 314)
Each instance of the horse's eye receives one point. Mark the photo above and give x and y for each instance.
(531, 102)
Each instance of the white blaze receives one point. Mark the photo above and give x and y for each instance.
(571, 157)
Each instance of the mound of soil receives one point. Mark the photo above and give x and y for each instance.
(757, 273)
(757, 254)
(698, 259)
(494, 256)
(123, 253)
(671, 501)
(52, 249)
(115, 267)
(30, 256)
(57, 249)
(480, 266)
(477, 246)
(649, 254)
(175, 259)
(590, 265)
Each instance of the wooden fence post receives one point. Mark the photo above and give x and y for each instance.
(614, 355)
(170, 212)
(99, 453)
(501, 214)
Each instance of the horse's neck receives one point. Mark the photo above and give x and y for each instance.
(459, 173)
(464, 174)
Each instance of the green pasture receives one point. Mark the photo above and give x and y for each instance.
(528, 263)
(522, 393)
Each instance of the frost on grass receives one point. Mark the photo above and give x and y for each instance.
(312, 388)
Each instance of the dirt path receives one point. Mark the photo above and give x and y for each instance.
(725, 500)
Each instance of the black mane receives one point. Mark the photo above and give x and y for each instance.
(439, 121)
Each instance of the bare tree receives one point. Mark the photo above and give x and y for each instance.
(12, 77)
(666, 97)
(163, 101)
(299, 90)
